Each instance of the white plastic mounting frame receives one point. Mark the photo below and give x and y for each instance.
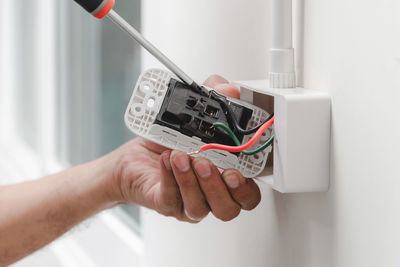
(145, 104)
(301, 151)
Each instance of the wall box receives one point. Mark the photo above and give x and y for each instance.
(301, 151)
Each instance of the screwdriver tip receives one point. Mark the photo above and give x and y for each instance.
(200, 89)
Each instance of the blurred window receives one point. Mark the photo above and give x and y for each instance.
(67, 79)
(98, 67)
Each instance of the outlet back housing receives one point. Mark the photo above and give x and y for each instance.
(301, 151)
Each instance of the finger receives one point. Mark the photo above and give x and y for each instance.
(214, 80)
(149, 145)
(244, 191)
(217, 195)
(171, 203)
(194, 202)
(228, 90)
(170, 200)
(222, 85)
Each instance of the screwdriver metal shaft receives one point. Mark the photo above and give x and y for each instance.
(123, 24)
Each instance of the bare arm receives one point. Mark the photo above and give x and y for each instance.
(32, 214)
(35, 213)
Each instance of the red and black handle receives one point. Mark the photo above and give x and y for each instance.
(98, 8)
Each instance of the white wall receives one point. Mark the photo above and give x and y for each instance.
(352, 51)
(208, 36)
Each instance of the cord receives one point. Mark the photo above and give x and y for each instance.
(229, 131)
(261, 148)
(237, 142)
(222, 100)
(240, 148)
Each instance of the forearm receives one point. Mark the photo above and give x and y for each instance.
(32, 214)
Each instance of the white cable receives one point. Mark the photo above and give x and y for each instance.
(281, 69)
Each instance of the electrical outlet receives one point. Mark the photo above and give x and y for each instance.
(170, 113)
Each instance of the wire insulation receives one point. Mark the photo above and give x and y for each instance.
(225, 105)
(243, 147)
(261, 148)
(237, 142)
(229, 131)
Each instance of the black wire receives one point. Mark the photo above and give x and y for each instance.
(223, 101)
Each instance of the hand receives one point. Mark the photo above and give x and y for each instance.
(174, 184)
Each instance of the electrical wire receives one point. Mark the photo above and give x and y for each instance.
(222, 100)
(228, 130)
(237, 142)
(261, 148)
(240, 148)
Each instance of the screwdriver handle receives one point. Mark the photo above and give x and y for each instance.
(98, 8)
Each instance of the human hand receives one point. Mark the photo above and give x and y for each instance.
(173, 184)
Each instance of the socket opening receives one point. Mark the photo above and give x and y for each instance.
(267, 103)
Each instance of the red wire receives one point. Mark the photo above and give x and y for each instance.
(240, 148)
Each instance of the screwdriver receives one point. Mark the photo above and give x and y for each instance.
(104, 8)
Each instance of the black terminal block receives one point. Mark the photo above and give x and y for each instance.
(193, 114)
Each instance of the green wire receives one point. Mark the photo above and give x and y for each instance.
(229, 131)
(237, 142)
(261, 148)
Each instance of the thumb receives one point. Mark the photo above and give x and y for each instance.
(228, 90)
(214, 80)
(222, 86)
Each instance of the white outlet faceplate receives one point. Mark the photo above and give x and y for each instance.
(145, 104)
(301, 152)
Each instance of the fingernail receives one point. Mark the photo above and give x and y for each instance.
(181, 161)
(192, 218)
(203, 168)
(165, 159)
(233, 181)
